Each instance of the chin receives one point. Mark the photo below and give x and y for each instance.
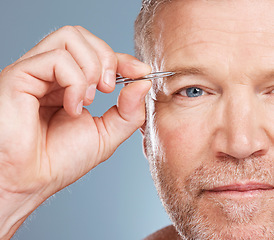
(246, 233)
(208, 221)
(239, 232)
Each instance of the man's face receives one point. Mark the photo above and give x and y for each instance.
(210, 128)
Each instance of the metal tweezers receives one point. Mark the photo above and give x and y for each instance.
(120, 79)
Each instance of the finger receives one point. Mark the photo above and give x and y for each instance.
(84, 53)
(34, 75)
(121, 121)
(129, 66)
(107, 58)
(112, 63)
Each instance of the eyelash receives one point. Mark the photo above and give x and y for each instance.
(271, 91)
(206, 92)
(178, 92)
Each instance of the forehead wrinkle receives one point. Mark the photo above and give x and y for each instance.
(185, 46)
(196, 13)
(216, 37)
(197, 37)
(239, 34)
(236, 25)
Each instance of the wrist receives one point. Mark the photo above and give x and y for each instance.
(14, 210)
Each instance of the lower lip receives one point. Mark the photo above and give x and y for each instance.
(241, 194)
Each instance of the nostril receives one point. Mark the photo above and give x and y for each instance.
(243, 151)
(260, 153)
(223, 156)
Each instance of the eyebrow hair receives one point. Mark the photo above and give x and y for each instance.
(270, 74)
(185, 71)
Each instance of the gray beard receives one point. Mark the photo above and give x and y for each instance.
(181, 199)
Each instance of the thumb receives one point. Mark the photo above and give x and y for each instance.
(121, 121)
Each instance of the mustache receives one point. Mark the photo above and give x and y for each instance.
(228, 171)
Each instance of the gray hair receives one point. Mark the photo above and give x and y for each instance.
(144, 39)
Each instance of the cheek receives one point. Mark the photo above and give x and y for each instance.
(184, 143)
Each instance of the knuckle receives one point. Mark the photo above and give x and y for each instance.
(109, 59)
(6, 70)
(110, 55)
(69, 30)
(93, 77)
(60, 53)
(93, 71)
(78, 27)
(12, 71)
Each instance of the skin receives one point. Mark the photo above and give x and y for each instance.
(223, 137)
(47, 140)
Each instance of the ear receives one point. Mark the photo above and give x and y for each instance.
(143, 130)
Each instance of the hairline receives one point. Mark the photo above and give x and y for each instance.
(144, 34)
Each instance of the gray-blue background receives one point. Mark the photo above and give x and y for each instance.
(117, 200)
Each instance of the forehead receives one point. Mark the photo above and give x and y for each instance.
(230, 29)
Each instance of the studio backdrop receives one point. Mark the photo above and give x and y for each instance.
(117, 199)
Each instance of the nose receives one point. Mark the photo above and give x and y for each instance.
(241, 131)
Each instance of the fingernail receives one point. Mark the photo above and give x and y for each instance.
(109, 78)
(90, 93)
(79, 108)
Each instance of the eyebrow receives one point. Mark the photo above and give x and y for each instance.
(186, 71)
(269, 75)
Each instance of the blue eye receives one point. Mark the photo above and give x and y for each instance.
(192, 92)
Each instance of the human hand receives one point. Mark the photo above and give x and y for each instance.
(48, 140)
